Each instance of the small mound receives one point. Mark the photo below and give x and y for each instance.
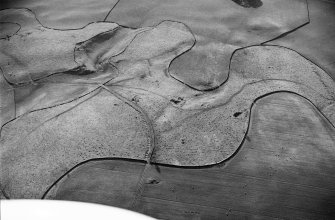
(249, 3)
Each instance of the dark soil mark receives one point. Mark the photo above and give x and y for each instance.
(236, 114)
(249, 3)
(177, 101)
(152, 181)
